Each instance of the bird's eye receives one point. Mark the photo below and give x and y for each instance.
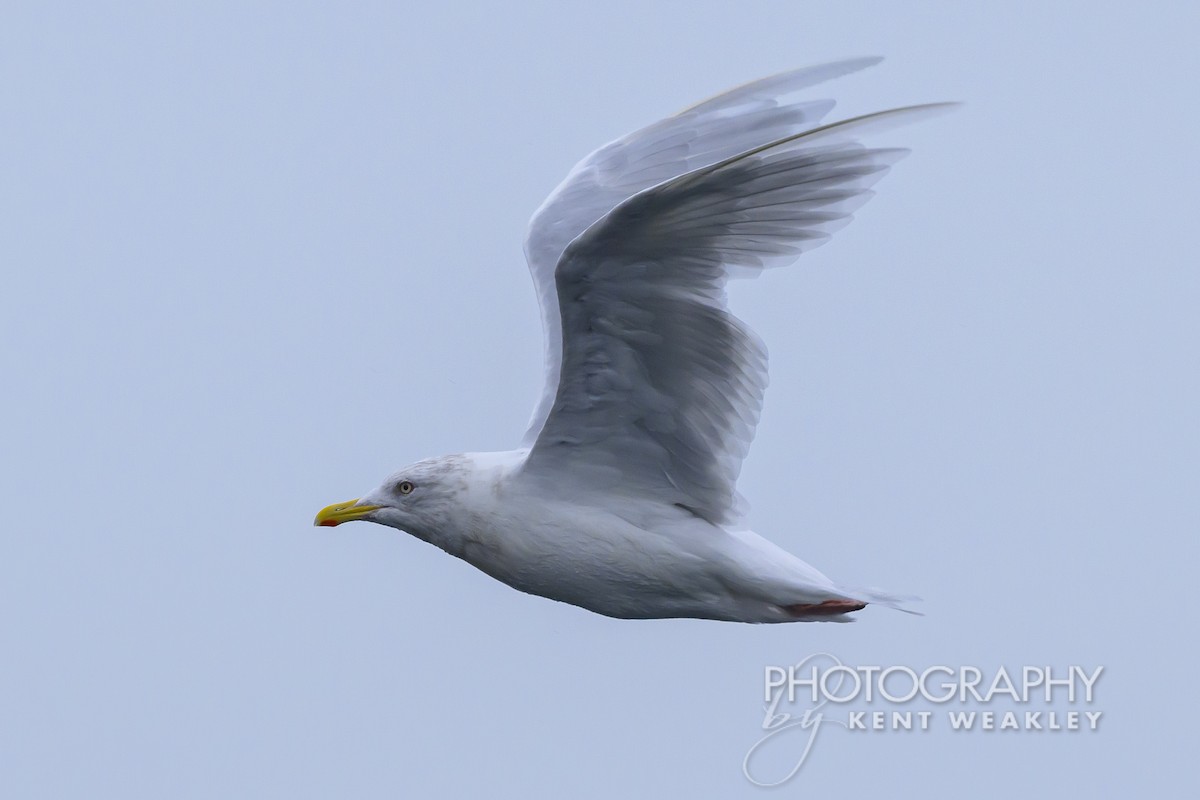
(405, 487)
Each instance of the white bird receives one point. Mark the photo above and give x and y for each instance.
(622, 498)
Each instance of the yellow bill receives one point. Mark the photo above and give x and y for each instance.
(338, 513)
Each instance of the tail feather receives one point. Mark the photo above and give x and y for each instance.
(878, 597)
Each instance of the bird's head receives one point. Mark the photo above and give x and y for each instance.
(417, 499)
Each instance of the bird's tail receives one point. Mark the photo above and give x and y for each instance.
(878, 597)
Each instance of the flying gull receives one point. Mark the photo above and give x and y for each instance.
(622, 497)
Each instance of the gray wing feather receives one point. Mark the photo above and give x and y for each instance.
(660, 386)
(699, 136)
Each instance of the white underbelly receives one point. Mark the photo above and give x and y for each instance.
(606, 565)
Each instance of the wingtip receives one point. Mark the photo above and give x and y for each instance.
(814, 74)
(788, 81)
(862, 62)
(945, 105)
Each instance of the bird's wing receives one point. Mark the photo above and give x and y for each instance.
(699, 136)
(659, 387)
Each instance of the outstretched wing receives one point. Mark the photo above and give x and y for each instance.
(659, 387)
(699, 136)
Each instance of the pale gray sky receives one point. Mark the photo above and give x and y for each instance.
(256, 258)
